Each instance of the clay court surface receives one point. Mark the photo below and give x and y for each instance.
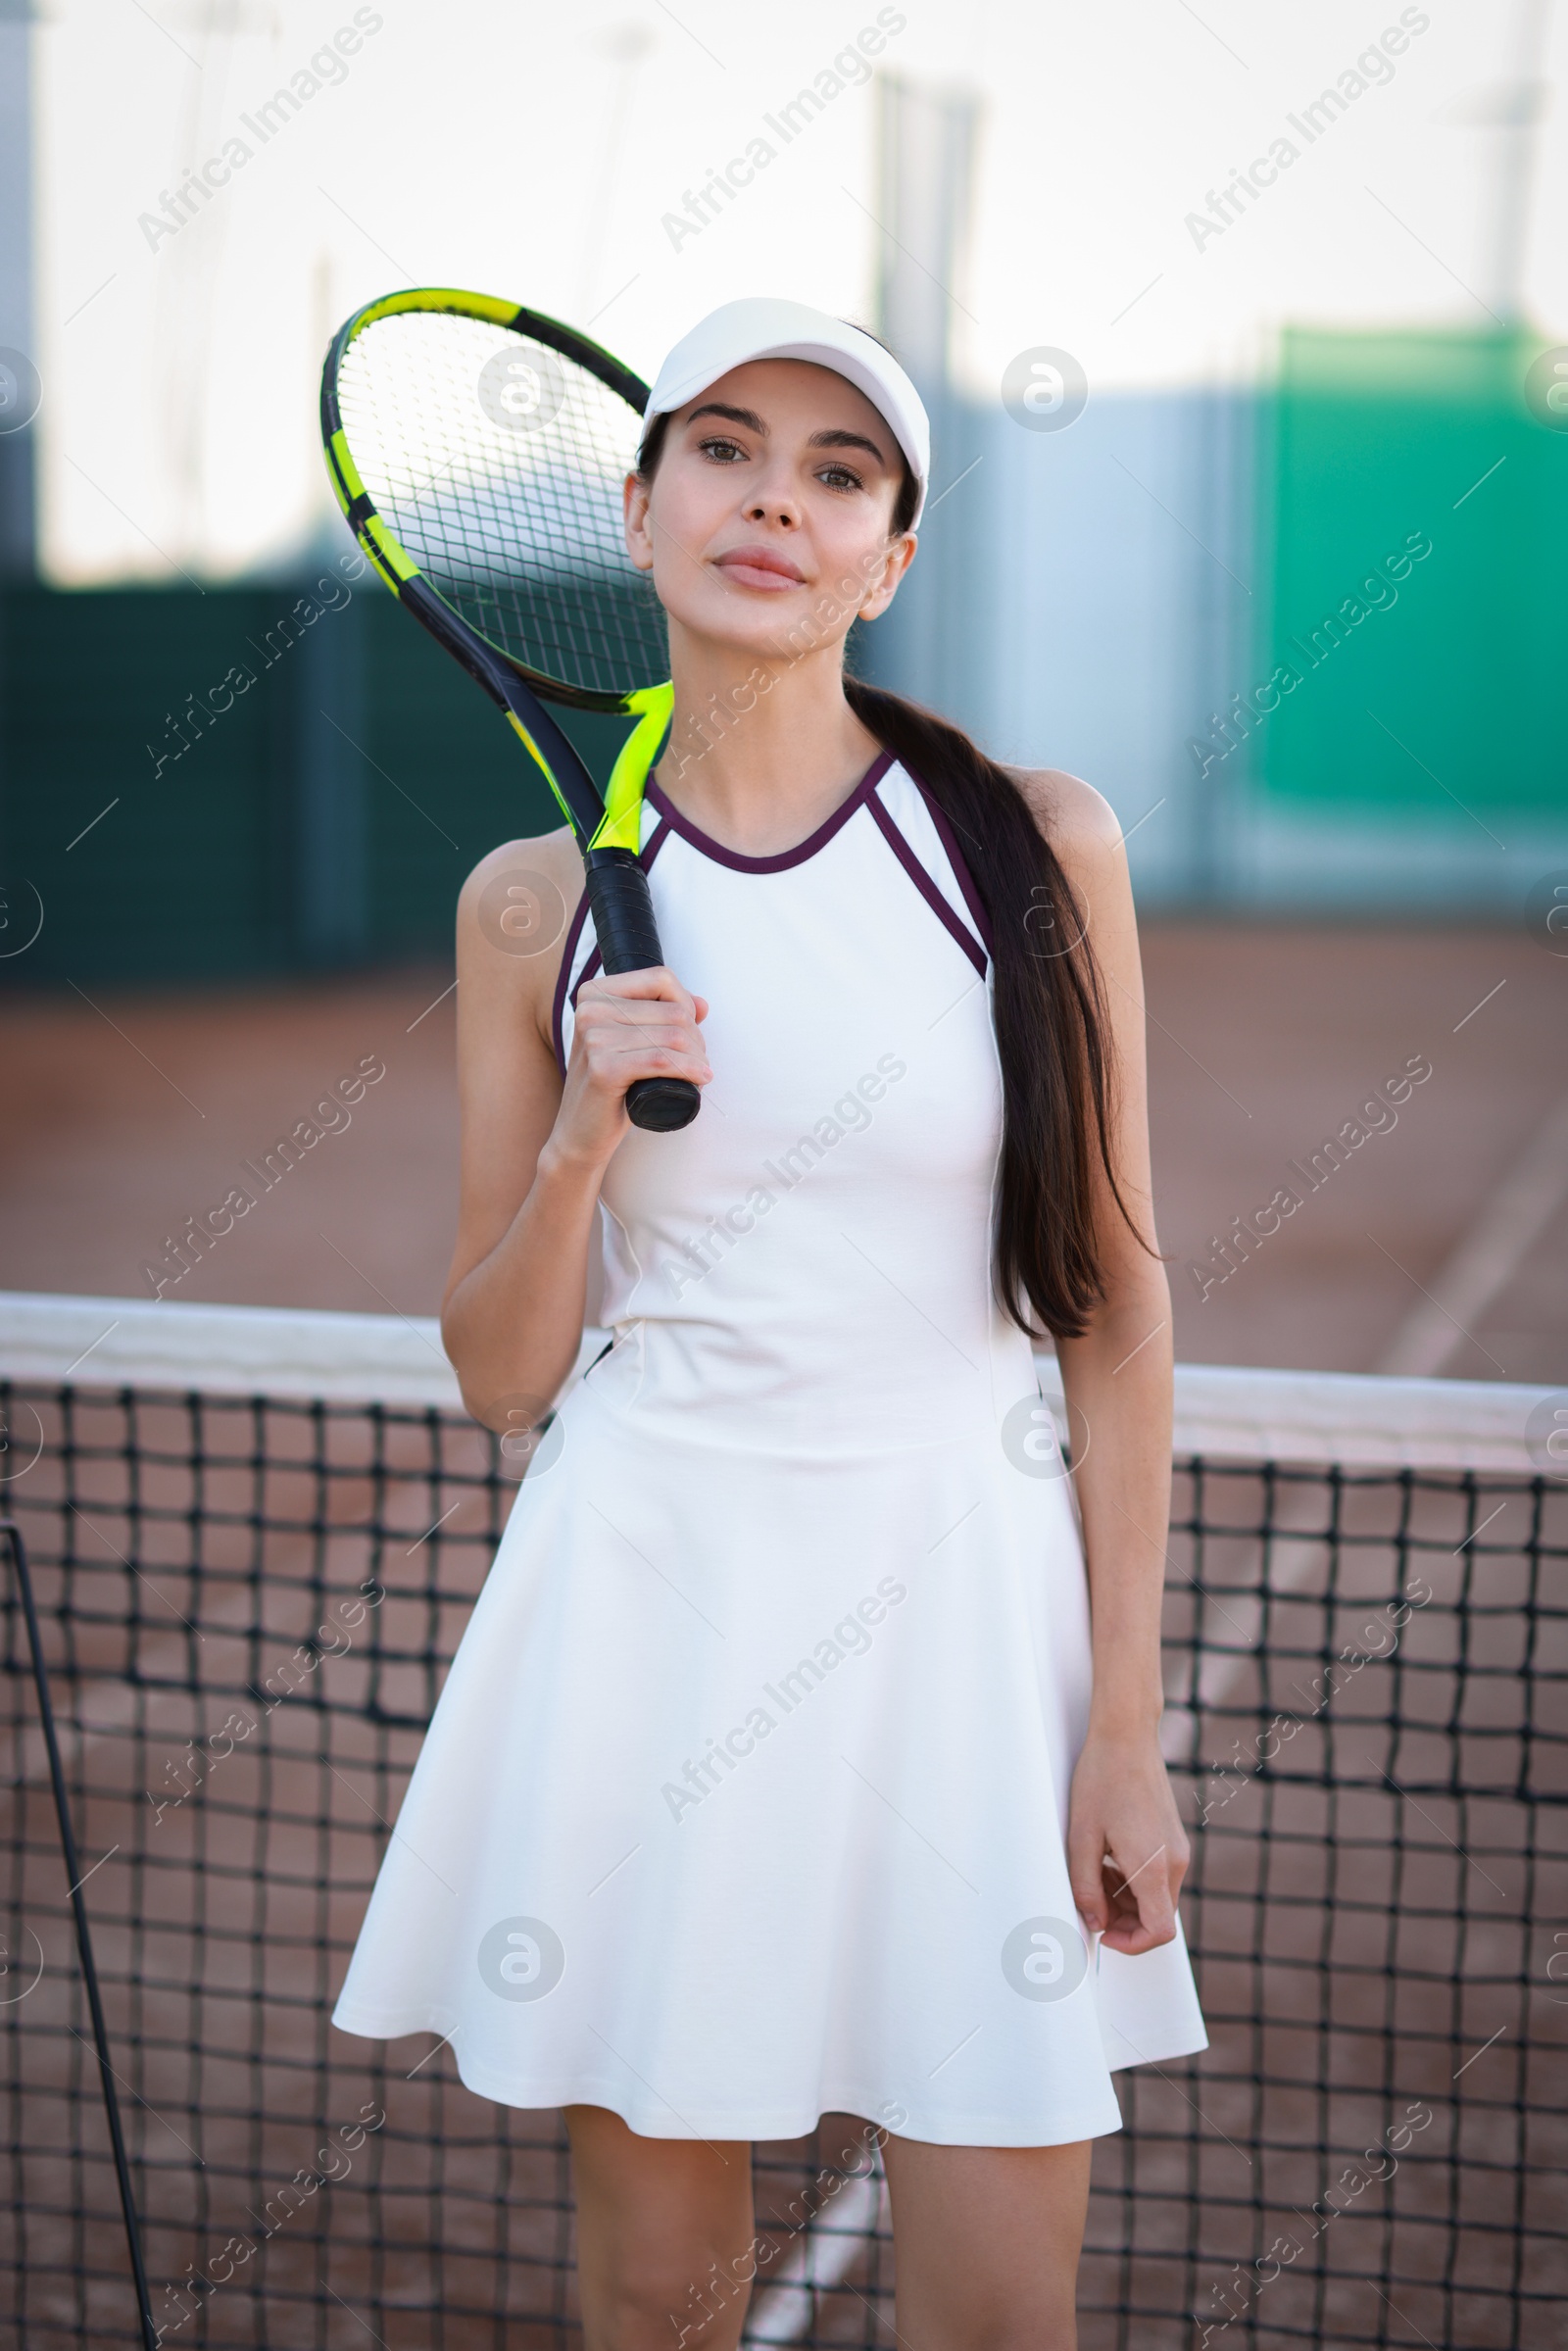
(126, 1114)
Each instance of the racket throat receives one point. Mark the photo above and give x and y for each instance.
(621, 827)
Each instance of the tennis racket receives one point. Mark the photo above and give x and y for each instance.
(477, 451)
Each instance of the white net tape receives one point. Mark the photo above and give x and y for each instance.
(1222, 1411)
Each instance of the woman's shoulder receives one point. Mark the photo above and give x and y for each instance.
(1078, 821)
(515, 915)
(553, 857)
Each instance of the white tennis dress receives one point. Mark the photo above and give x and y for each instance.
(746, 1798)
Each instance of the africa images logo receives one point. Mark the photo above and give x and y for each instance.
(1044, 1959)
(1030, 1442)
(521, 1959)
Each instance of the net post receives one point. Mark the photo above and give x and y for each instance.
(89, 1973)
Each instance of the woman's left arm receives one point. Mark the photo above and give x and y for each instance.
(1126, 1849)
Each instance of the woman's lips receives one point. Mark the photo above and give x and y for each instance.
(759, 568)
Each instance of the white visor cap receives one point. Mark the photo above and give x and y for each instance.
(759, 328)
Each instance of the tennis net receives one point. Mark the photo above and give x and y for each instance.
(255, 1540)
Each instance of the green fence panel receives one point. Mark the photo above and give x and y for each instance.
(247, 781)
(1415, 521)
(146, 848)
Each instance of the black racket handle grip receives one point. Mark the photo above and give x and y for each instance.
(622, 910)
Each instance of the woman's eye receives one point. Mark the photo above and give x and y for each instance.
(727, 451)
(841, 477)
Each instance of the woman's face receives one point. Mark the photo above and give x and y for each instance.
(765, 525)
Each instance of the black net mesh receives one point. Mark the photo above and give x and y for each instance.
(498, 465)
(248, 1608)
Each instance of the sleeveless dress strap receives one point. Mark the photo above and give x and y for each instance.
(925, 845)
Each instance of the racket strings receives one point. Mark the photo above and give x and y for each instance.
(498, 466)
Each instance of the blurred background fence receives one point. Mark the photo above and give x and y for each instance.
(176, 824)
(1306, 637)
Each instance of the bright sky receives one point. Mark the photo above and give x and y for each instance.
(533, 151)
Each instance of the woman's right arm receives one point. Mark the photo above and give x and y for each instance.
(534, 1151)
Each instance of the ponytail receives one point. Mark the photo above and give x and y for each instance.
(1052, 1036)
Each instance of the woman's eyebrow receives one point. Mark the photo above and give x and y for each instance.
(735, 415)
(836, 439)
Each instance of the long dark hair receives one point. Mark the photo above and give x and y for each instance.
(1052, 1036)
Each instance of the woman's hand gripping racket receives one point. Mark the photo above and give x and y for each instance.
(478, 452)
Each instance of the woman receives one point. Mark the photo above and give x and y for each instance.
(785, 1767)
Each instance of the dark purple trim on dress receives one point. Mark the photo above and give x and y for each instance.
(961, 871)
(785, 856)
(557, 1009)
(595, 964)
(926, 885)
